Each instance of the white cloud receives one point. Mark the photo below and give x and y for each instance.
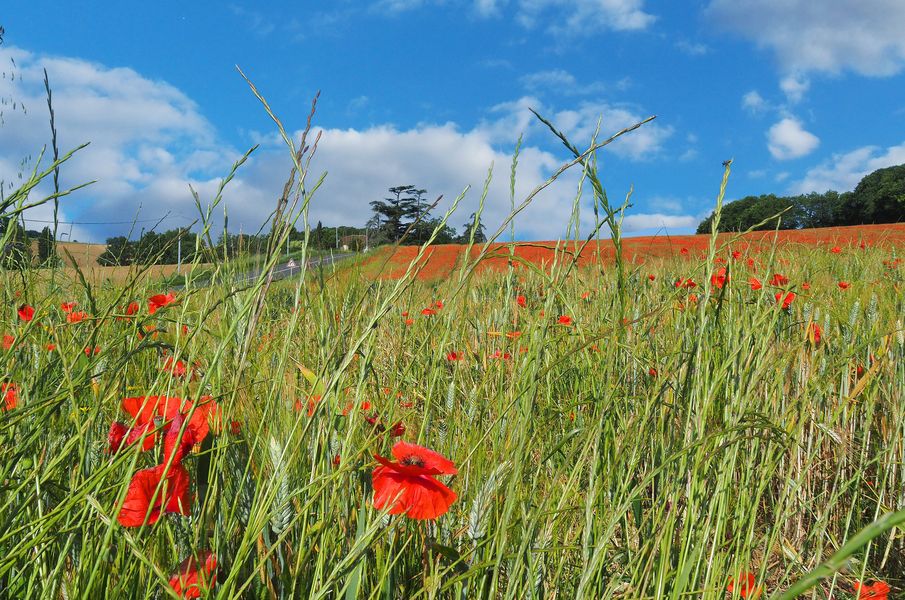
(644, 221)
(692, 48)
(560, 81)
(143, 133)
(396, 6)
(787, 139)
(828, 36)
(584, 17)
(579, 125)
(794, 87)
(754, 102)
(488, 8)
(842, 172)
(563, 18)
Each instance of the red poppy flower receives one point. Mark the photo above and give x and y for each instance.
(684, 251)
(686, 283)
(513, 335)
(835, 249)
(142, 505)
(51, 347)
(158, 301)
(779, 279)
(428, 311)
(10, 393)
(814, 334)
(195, 574)
(438, 304)
(805, 286)
(336, 460)
(26, 313)
(144, 409)
(452, 356)
(736, 255)
(398, 429)
(651, 277)
(89, 350)
(755, 283)
(235, 427)
(176, 368)
(409, 486)
(586, 295)
(67, 307)
(365, 405)
(312, 404)
(76, 316)
(8, 341)
(750, 263)
(564, 320)
(521, 301)
(132, 308)
(177, 442)
(879, 590)
(786, 301)
(719, 279)
(120, 432)
(652, 372)
(745, 585)
(844, 285)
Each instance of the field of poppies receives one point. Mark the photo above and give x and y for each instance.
(508, 434)
(725, 420)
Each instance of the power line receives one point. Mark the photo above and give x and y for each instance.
(102, 222)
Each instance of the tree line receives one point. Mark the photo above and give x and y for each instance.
(878, 198)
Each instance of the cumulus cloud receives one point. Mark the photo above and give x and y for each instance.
(788, 139)
(829, 36)
(579, 124)
(692, 48)
(634, 223)
(583, 17)
(794, 87)
(754, 102)
(842, 172)
(142, 133)
(562, 82)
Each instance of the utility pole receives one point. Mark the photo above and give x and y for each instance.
(337, 237)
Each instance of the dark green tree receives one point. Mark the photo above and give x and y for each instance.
(479, 236)
(878, 198)
(16, 251)
(750, 211)
(47, 254)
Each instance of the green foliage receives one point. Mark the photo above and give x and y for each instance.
(405, 211)
(479, 236)
(878, 198)
(151, 248)
(16, 250)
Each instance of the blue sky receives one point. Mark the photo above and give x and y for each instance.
(805, 96)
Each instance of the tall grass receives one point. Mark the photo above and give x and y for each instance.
(653, 449)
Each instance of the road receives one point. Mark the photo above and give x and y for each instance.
(285, 271)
